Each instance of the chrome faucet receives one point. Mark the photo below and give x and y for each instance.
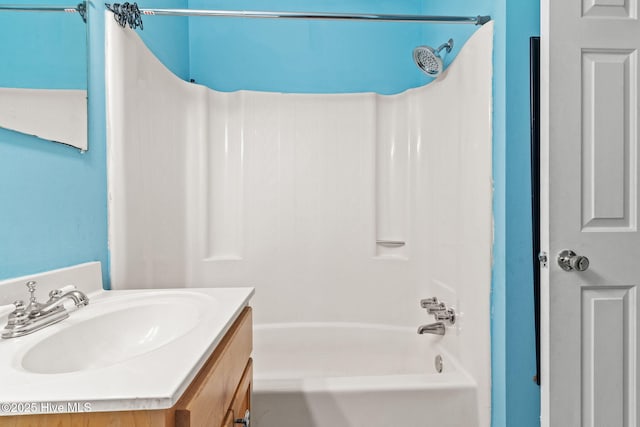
(437, 328)
(442, 314)
(26, 319)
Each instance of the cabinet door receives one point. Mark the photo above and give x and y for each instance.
(241, 404)
(228, 419)
(210, 395)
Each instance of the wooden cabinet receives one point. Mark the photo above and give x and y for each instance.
(224, 380)
(218, 396)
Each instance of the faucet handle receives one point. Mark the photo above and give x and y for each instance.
(17, 317)
(31, 285)
(438, 308)
(433, 305)
(448, 315)
(428, 302)
(33, 302)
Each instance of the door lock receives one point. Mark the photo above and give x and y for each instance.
(568, 260)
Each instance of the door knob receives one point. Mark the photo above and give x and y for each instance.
(568, 260)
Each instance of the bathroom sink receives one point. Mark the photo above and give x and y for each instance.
(135, 349)
(113, 333)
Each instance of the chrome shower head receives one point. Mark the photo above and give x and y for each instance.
(429, 60)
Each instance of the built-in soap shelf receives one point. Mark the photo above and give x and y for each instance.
(391, 249)
(392, 243)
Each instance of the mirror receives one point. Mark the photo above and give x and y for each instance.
(43, 70)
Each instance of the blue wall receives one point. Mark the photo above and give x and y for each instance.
(522, 395)
(305, 56)
(168, 37)
(45, 50)
(52, 197)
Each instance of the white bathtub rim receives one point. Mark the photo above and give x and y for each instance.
(356, 384)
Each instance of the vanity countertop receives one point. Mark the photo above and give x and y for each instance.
(109, 356)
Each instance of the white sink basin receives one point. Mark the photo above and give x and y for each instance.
(117, 335)
(126, 350)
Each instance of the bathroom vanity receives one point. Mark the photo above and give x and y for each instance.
(170, 357)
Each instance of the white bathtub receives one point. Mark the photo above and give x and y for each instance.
(357, 375)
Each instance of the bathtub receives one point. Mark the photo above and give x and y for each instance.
(357, 375)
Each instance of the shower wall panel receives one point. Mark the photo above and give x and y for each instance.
(289, 193)
(150, 128)
(394, 125)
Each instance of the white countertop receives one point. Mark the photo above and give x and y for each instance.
(153, 379)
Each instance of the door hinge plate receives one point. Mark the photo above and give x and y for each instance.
(544, 259)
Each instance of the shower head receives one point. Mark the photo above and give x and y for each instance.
(429, 60)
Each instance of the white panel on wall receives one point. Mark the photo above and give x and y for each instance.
(58, 115)
(609, 134)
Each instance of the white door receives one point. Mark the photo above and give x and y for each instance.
(589, 68)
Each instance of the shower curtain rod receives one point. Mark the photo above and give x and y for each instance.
(80, 8)
(476, 20)
(37, 8)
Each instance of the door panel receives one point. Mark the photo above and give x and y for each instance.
(608, 316)
(589, 203)
(608, 123)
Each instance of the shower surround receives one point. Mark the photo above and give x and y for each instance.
(290, 193)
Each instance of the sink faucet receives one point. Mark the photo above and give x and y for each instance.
(26, 319)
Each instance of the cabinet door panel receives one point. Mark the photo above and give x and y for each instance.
(228, 420)
(242, 398)
(207, 400)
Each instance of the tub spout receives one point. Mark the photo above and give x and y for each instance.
(437, 328)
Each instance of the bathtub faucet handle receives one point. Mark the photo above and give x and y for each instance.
(432, 305)
(428, 302)
(448, 315)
